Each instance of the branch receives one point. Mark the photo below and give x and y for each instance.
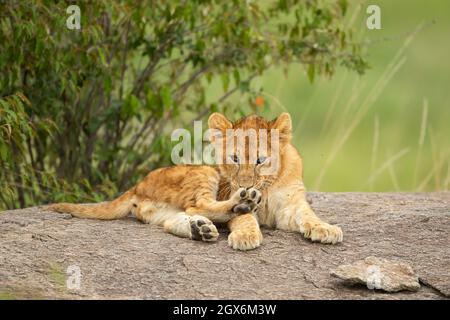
(151, 66)
(224, 97)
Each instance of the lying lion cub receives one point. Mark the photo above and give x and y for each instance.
(187, 199)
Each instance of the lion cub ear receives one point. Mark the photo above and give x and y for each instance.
(284, 126)
(219, 122)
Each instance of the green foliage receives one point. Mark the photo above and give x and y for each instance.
(22, 181)
(4, 295)
(57, 275)
(102, 97)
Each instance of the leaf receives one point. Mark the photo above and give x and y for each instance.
(343, 4)
(166, 97)
(225, 81)
(237, 77)
(150, 101)
(134, 103)
(311, 72)
(130, 106)
(244, 86)
(101, 54)
(107, 83)
(213, 107)
(3, 152)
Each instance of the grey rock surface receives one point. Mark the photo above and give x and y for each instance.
(381, 274)
(130, 260)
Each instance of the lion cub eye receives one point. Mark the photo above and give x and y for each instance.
(261, 160)
(234, 158)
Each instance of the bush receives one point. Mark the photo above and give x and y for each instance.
(100, 98)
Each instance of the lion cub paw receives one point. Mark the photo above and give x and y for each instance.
(245, 240)
(203, 229)
(322, 232)
(247, 199)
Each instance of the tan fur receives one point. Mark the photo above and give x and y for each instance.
(187, 199)
(284, 204)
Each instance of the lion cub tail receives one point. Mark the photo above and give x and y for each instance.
(110, 210)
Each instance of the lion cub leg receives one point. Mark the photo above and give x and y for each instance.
(245, 233)
(193, 227)
(293, 213)
(242, 201)
(144, 211)
(178, 223)
(312, 227)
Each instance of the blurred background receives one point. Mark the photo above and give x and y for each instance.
(389, 129)
(84, 114)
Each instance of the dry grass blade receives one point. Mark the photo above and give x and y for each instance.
(376, 138)
(395, 64)
(386, 164)
(423, 128)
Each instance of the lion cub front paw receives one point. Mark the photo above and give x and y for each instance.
(245, 240)
(203, 229)
(246, 200)
(322, 232)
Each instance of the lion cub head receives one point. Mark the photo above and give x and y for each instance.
(249, 150)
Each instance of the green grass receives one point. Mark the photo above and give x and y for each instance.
(57, 275)
(387, 130)
(4, 295)
(21, 293)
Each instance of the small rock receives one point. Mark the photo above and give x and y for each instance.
(376, 273)
(426, 219)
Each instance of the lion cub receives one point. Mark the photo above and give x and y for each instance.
(187, 199)
(182, 199)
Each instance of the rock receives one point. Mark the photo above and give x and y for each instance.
(41, 254)
(380, 274)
